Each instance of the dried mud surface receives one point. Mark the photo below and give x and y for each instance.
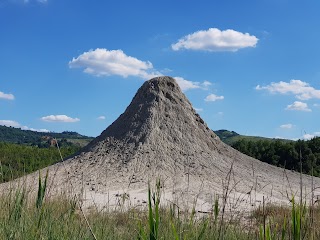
(161, 136)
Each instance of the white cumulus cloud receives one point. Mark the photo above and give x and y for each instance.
(11, 123)
(298, 106)
(198, 109)
(215, 40)
(301, 90)
(287, 126)
(101, 118)
(212, 98)
(103, 62)
(206, 83)
(59, 118)
(7, 96)
(34, 129)
(39, 1)
(187, 84)
(308, 136)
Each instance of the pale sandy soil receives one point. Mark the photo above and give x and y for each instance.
(161, 135)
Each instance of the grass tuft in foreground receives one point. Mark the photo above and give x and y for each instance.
(22, 217)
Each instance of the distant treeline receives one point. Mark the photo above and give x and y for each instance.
(284, 153)
(17, 160)
(16, 135)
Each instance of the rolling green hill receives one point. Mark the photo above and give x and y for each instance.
(279, 152)
(231, 137)
(25, 151)
(41, 139)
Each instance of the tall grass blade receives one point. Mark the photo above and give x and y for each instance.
(203, 229)
(268, 233)
(157, 204)
(261, 235)
(175, 234)
(41, 190)
(284, 228)
(296, 221)
(151, 220)
(142, 235)
(16, 211)
(216, 209)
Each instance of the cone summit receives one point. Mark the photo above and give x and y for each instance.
(161, 119)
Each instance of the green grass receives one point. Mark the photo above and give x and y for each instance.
(27, 216)
(17, 160)
(24, 217)
(295, 222)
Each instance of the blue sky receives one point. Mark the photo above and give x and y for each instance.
(248, 66)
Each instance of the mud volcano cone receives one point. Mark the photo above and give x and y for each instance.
(161, 136)
(159, 133)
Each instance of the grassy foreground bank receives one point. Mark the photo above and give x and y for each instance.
(22, 217)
